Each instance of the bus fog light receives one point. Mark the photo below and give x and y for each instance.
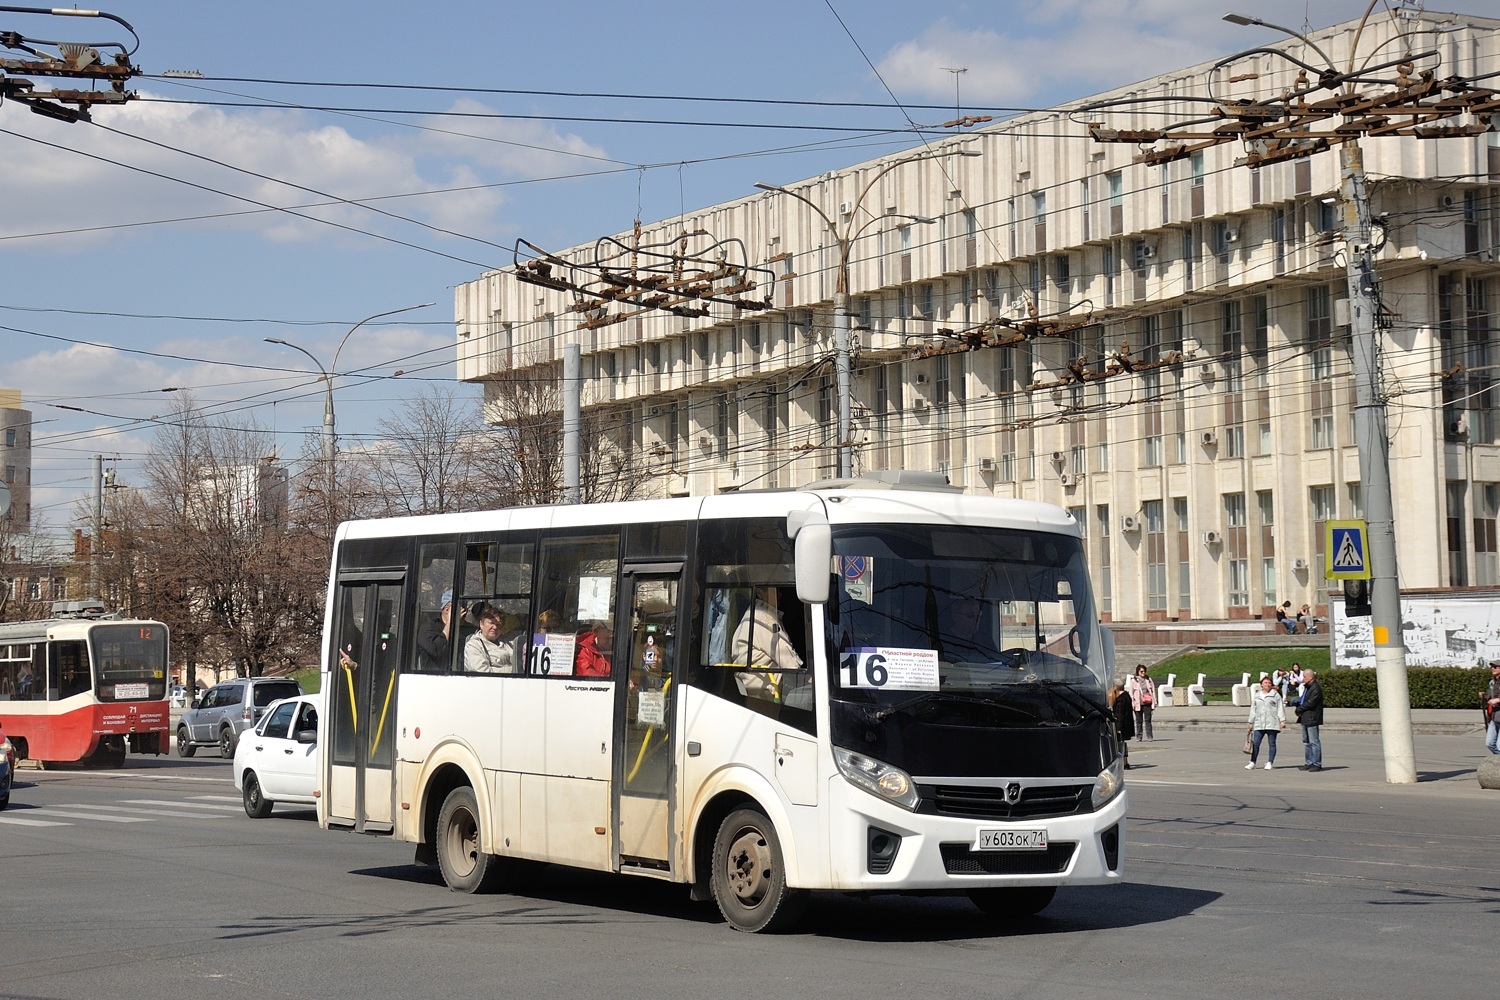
(882, 779)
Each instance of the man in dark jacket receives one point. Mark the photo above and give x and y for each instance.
(1310, 715)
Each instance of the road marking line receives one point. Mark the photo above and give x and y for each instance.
(217, 798)
(22, 821)
(149, 812)
(53, 811)
(182, 802)
(1161, 781)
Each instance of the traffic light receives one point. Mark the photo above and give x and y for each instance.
(1357, 598)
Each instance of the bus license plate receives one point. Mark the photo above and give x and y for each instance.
(1011, 840)
(131, 690)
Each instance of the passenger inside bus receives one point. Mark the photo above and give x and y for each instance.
(595, 657)
(486, 651)
(434, 640)
(761, 640)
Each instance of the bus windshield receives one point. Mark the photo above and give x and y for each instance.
(955, 610)
(129, 661)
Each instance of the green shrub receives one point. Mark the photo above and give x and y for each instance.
(1431, 687)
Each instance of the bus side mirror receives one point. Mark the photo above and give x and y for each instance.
(813, 541)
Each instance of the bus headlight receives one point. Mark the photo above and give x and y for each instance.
(877, 777)
(1111, 782)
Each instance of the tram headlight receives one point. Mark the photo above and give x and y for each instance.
(1111, 782)
(877, 777)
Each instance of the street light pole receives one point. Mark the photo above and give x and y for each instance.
(330, 446)
(841, 320)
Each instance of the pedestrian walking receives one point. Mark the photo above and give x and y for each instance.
(1310, 715)
(1492, 709)
(1120, 704)
(1267, 718)
(1142, 699)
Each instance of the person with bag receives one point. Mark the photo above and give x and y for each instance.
(1142, 699)
(1267, 718)
(1120, 704)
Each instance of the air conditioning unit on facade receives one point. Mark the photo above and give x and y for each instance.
(1231, 236)
(1059, 457)
(846, 208)
(1209, 439)
(1211, 537)
(986, 465)
(1130, 523)
(1068, 479)
(1299, 565)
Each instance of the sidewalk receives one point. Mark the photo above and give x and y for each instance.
(1223, 717)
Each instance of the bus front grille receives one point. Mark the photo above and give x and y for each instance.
(958, 859)
(990, 802)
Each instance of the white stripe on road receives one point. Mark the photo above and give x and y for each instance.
(1159, 781)
(182, 802)
(217, 798)
(150, 812)
(22, 821)
(52, 811)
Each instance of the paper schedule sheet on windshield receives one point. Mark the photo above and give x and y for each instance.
(889, 668)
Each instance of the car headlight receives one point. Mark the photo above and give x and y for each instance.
(877, 777)
(1111, 782)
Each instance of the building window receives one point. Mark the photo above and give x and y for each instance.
(1266, 507)
(1156, 555)
(1236, 556)
(1320, 355)
(1486, 549)
(1116, 184)
(1184, 553)
(1106, 580)
(1321, 501)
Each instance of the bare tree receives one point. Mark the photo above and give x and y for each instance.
(524, 407)
(225, 561)
(431, 458)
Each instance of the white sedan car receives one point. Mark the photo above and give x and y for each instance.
(277, 761)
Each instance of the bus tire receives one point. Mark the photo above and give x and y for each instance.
(185, 746)
(226, 743)
(464, 866)
(1013, 903)
(257, 806)
(749, 875)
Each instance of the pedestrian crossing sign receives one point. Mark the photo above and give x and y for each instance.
(1346, 550)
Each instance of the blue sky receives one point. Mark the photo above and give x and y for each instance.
(105, 251)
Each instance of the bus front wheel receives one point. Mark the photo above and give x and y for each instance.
(1013, 903)
(749, 875)
(465, 867)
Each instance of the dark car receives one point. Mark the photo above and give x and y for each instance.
(228, 709)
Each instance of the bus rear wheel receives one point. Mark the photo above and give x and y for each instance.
(749, 875)
(185, 746)
(465, 867)
(1013, 903)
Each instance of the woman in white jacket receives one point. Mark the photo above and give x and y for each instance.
(1267, 718)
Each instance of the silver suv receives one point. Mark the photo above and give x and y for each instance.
(228, 709)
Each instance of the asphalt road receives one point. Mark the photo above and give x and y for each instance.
(151, 882)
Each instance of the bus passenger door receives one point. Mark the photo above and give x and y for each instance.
(361, 706)
(644, 767)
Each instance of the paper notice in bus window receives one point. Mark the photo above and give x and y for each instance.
(552, 654)
(858, 574)
(594, 598)
(889, 668)
(651, 709)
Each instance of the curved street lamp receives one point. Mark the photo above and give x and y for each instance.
(330, 447)
(841, 323)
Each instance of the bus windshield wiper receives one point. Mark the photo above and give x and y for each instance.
(926, 696)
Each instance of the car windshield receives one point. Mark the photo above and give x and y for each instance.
(963, 611)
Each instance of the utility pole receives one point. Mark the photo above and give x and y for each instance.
(1374, 474)
(96, 544)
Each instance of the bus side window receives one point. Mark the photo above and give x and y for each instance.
(436, 609)
(70, 668)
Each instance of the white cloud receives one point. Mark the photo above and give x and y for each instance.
(1072, 48)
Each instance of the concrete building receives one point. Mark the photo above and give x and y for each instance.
(1192, 402)
(15, 462)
